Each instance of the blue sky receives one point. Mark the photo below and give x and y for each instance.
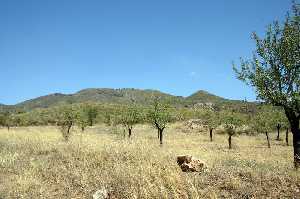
(174, 46)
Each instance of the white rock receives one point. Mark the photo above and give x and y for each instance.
(101, 194)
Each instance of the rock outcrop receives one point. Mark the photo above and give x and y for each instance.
(188, 163)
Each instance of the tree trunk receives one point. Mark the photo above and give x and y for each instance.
(129, 132)
(294, 124)
(8, 127)
(267, 135)
(287, 136)
(91, 122)
(229, 141)
(82, 129)
(278, 131)
(161, 136)
(69, 127)
(296, 143)
(67, 135)
(158, 136)
(211, 134)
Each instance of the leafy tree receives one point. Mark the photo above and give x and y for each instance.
(2, 119)
(183, 114)
(108, 118)
(231, 121)
(92, 113)
(274, 70)
(23, 119)
(6, 120)
(263, 122)
(211, 119)
(66, 119)
(159, 116)
(82, 119)
(129, 117)
(279, 121)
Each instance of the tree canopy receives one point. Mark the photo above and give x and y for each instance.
(274, 70)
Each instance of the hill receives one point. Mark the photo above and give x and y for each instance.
(99, 95)
(205, 97)
(119, 96)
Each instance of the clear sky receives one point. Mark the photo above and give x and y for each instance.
(175, 46)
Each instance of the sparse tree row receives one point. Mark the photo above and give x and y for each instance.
(159, 114)
(264, 119)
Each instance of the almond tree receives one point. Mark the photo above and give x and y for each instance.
(91, 113)
(231, 121)
(274, 70)
(66, 117)
(211, 119)
(6, 120)
(159, 116)
(279, 121)
(129, 117)
(82, 119)
(263, 122)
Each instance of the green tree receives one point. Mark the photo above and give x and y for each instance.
(129, 117)
(66, 118)
(279, 120)
(82, 118)
(2, 119)
(6, 120)
(274, 71)
(211, 119)
(263, 121)
(159, 116)
(108, 118)
(231, 122)
(91, 113)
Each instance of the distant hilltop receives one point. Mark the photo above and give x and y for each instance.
(121, 96)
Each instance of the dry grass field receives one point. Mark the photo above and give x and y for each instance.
(35, 162)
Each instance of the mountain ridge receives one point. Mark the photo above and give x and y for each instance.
(118, 96)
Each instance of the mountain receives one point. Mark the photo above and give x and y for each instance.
(119, 96)
(44, 101)
(102, 95)
(205, 97)
(4, 108)
(125, 95)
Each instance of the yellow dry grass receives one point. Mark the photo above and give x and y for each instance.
(35, 162)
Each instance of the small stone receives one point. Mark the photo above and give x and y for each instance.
(101, 194)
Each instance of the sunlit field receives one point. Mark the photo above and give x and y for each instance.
(35, 162)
